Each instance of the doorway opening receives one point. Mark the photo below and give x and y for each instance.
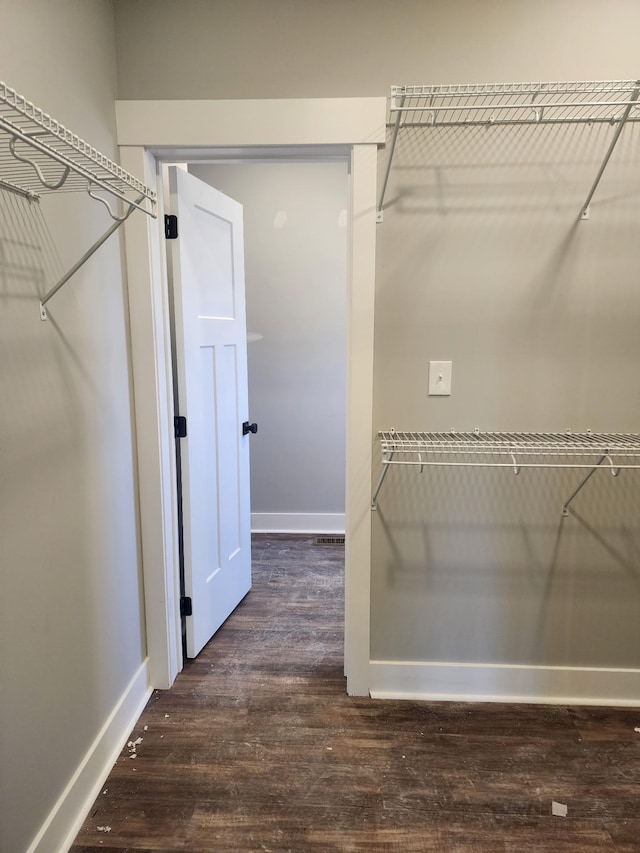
(295, 239)
(295, 287)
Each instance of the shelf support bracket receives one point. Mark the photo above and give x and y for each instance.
(104, 201)
(48, 185)
(385, 471)
(90, 251)
(394, 139)
(584, 210)
(604, 458)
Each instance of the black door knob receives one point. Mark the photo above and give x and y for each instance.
(247, 428)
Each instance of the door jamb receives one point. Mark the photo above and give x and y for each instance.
(321, 123)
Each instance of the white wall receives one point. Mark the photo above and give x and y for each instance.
(70, 609)
(478, 261)
(295, 270)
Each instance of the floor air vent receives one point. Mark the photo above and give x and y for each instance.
(329, 540)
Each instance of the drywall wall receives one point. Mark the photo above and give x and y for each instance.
(488, 266)
(70, 610)
(295, 218)
(480, 260)
(293, 49)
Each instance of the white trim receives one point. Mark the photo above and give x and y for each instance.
(359, 443)
(61, 827)
(166, 127)
(282, 121)
(298, 522)
(473, 682)
(153, 408)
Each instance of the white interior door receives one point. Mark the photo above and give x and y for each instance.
(207, 261)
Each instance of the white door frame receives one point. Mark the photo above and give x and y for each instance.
(149, 133)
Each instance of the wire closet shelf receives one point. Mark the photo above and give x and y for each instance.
(612, 102)
(515, 103)
(515, 450)
(39, 155)
(499, 449)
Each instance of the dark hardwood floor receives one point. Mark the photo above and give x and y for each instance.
(258, 748)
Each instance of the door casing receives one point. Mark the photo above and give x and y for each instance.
(151, 133)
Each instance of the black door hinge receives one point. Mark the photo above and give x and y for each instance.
(186, 606)
(249, 428)
(170, 226)
(180, 426)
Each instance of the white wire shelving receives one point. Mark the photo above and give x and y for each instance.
(514, 450)
(613, 102)
(515, 103)
(39, 155)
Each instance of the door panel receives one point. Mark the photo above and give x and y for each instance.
(207, 266)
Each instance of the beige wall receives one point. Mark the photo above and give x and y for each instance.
(480, 261)
(487, 266)
(70, 620)
(306, 48)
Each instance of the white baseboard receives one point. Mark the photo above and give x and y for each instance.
(469, 682)
(59, 830)
(298, 522)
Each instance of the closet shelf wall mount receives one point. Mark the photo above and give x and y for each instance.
(39, 155)
(516, 450)
(613, 102)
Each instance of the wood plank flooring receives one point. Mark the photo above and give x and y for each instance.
(258, 748)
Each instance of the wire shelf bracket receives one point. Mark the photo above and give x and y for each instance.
(39, 155)
(515, 450)
(93, 248)
(613, 102)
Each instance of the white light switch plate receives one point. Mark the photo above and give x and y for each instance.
(439, 378)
